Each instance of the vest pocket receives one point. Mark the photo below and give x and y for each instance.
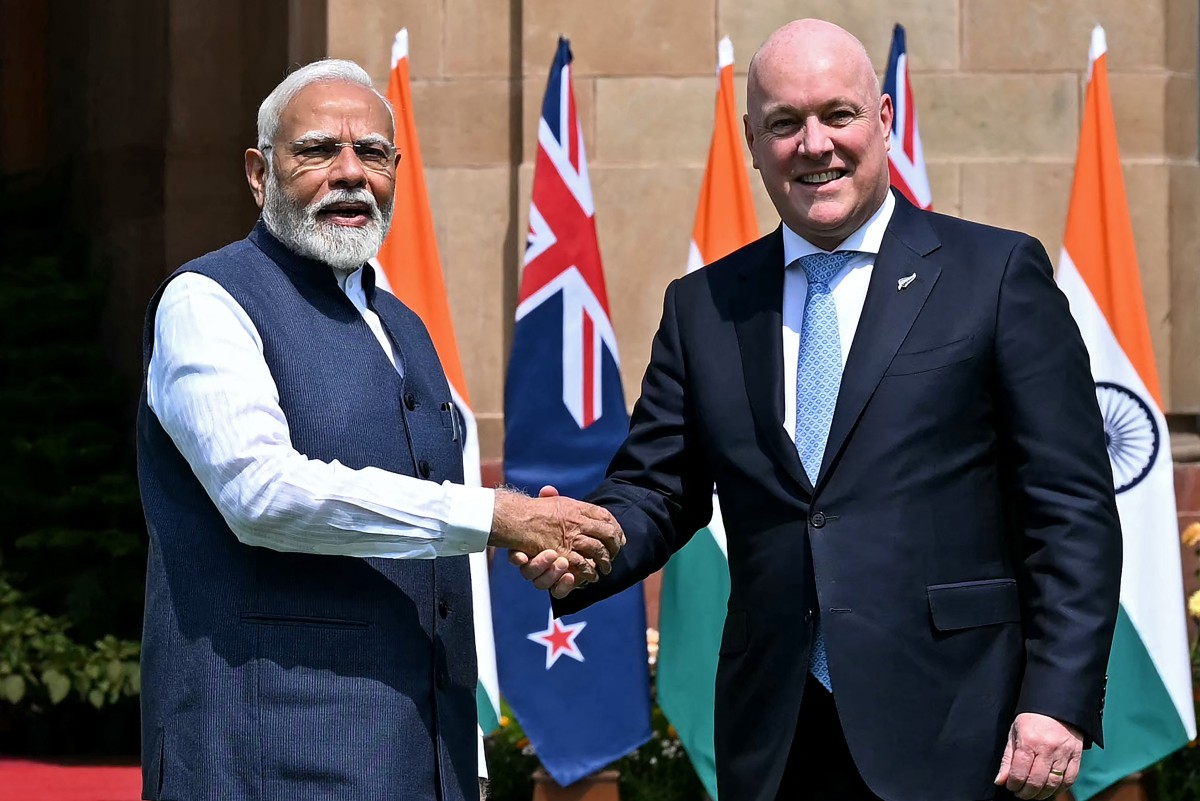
(265, 619)
(152, 773)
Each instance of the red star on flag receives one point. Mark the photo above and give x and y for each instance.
(559, 639)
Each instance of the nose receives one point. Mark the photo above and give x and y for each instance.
(814, 140)
(346, 170)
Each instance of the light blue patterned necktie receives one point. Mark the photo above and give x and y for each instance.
(818, 378)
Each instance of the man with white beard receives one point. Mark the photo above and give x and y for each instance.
(308, 630)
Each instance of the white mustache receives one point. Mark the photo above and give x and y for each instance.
(358, 195)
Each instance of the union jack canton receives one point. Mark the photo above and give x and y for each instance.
(906, 160)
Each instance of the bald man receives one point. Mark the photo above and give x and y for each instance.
(897, 409)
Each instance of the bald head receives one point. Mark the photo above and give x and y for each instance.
(817, 127)
(809, 46)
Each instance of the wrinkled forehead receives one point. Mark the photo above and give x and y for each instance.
(336, 109)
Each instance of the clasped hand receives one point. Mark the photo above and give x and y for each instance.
(568, 542)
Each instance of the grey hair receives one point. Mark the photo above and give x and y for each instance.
(327, 70)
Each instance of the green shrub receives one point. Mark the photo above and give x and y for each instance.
(73, 544)
(40, 665)
(658, 771)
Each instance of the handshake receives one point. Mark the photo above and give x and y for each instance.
(559, 543)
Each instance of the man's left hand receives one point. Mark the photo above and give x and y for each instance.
(1041, 757)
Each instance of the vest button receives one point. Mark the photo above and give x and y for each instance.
(443, 609)
(818, 520)
(410, 401)
(423, 468)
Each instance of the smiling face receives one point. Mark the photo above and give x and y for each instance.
(817, 129)
(323, 201)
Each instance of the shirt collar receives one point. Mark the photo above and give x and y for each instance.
(349, 282)
(361, 282)
(866, 239)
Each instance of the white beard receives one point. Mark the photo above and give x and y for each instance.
(344, 248)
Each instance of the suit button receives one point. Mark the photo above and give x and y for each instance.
(808, 616)
(817, 520)
(441, 680)
(444, 609)
(423, 468)
(410, 401)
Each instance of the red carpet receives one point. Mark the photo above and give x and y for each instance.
(27, 780)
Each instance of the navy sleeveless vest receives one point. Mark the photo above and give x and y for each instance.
(270, 676)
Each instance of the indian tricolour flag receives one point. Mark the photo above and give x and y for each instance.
(1149, 711)
(410, 268)
(695, 585)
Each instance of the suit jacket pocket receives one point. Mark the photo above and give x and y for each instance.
(923, 361)
(967, 604)
(733, 638)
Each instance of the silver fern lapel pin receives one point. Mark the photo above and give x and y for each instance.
(903, 283)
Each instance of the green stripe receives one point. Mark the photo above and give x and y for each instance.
(1141, 723)
(484, 709)
(695, 591)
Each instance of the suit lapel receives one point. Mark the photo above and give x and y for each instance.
(759, 324)
(887, 316)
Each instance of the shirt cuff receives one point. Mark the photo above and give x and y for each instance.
(468, 518)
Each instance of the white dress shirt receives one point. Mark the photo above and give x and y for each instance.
(211, 390)
(848, 287)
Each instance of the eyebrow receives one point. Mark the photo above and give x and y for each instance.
(316, 137)
(833, 102)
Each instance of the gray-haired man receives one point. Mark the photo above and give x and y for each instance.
(300, 472)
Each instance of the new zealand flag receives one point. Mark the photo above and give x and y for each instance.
(578, 685)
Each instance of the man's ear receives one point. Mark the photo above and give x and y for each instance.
(749, 140)
(256, 174)
(886, 111)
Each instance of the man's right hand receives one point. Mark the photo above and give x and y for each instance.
(547, 571)
(587, 536)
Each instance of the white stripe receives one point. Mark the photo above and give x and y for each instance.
(899, 102)
(577, 182)
(716, 527)
(485, 642)
(1149, 524)
(597, 373)
(541, 236)
(914, 176)
(695, 260)
(577, 297)
(911, 171)
(564, 103)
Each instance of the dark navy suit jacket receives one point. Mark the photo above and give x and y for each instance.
(961, 544)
